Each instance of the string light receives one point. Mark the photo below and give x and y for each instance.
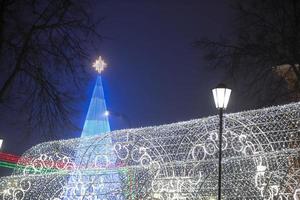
(176, 161)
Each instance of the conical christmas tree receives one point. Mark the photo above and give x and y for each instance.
(96, 122)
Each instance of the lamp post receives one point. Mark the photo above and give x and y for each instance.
(221, 97)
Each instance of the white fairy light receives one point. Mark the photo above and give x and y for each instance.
(99, 65)
(175, 161)
(106, 113)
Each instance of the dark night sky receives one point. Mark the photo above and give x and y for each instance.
(155, 76)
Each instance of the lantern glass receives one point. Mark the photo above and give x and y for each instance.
(221, 96)
(1, 141)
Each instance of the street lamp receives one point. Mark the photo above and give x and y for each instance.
(1, 141)
(221, 97)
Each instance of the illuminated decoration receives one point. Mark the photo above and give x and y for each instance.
(99, 65)
(170, 162)
(96, 121)
(106, 113)
(96, 124)
(9, 157)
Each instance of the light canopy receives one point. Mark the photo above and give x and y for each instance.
(174, 161)
(221, 96)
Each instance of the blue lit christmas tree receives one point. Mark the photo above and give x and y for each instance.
(96, 122)
(106, 176)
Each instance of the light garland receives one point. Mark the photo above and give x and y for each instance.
(177, 161)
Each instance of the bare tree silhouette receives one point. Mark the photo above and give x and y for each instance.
(263, 52)
(43, 48)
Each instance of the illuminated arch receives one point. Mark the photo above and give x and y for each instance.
(176, 161)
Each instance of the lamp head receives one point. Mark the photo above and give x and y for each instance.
(1, 142)
(221, 96)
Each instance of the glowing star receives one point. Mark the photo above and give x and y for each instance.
(99, 65)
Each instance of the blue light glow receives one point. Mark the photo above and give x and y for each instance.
(96, 122)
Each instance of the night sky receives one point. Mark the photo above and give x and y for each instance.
(155, 75)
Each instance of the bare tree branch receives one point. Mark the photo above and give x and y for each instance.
(266, 35)
(43, 49)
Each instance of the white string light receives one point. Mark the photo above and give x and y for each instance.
(177, 161)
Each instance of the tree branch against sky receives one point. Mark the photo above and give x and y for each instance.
(44, 46)
(265, 36)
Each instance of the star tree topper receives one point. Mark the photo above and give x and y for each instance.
(99, 65)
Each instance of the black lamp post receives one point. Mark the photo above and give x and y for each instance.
(221, 97)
